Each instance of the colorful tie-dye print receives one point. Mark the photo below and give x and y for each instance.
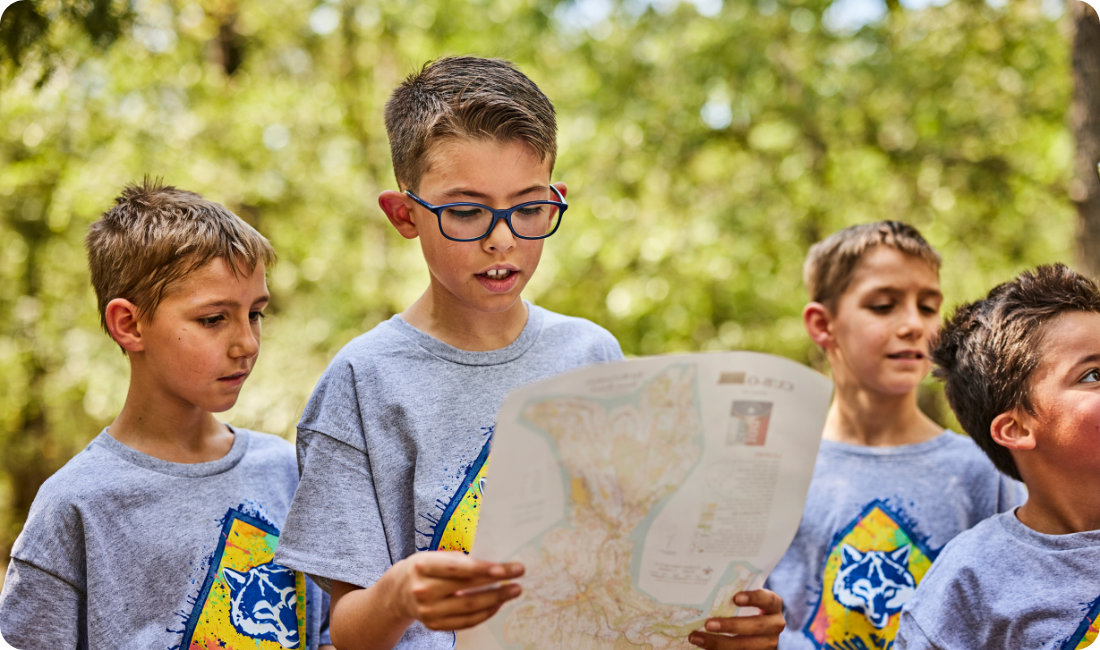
(1088, 632)
(246, 548)
(874, 543)
(458, 524)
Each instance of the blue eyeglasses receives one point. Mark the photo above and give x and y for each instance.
(474, 221)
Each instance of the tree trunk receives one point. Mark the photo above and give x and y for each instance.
(1085, 189)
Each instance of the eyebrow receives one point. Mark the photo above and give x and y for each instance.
(229, 302)
(924, 293)
(481, 196)
(1090, 358)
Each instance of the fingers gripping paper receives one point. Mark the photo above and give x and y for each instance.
(642, 495)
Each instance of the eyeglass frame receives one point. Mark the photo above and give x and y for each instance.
(498, 215)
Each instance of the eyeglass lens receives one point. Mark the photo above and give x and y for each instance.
(473, 222)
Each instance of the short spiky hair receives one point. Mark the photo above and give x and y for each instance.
(831, 263)
(465, 97)
(155, 235)
(988, 349)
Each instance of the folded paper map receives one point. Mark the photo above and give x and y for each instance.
(642, 495)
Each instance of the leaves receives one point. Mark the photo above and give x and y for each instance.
(706, 146)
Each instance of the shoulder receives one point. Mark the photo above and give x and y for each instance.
(962, 450)
(384, 338)
(268, 448)
(269, 461)
(576, 332)
(55, 523)
(965, 555)
(951, 599)
(87, 472)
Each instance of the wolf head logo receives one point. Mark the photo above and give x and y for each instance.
(264, 603)
(876, 583)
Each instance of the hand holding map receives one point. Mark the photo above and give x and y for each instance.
(642, 495)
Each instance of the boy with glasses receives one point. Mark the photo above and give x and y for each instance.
(394, 443)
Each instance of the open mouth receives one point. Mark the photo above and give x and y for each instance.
(498, 274)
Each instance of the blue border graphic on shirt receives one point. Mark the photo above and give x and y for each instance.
(455, 525)
(1090, 622)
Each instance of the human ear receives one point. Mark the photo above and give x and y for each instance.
(1013, 430)
(562, 188)
(818, 323)
(398, 209)
(123, 324)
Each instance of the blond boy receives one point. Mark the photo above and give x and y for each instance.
(890, 486)
(160, 534)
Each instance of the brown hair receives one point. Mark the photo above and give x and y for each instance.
(155, 235)
(465, 97)
(831, 262)
(988, 349)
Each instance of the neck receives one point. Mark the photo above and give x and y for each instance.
(862, 417)
(1059, 502)
(442, 316)
(168, 429)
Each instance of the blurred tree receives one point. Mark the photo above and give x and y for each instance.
(707, 144)
(1085, 116)
(26, 26)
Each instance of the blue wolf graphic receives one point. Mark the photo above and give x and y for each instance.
(264, 603)
(876, 583)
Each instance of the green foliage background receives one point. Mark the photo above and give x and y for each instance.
(704, 153)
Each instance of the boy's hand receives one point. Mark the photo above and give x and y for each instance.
(752, 632)
(447, 590)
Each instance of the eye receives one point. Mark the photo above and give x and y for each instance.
(211, 321)
(532, 211)
(882, 308)
(929, 309)
(255, 316)
(1091, 377)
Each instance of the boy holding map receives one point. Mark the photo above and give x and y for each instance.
(394, 443)
(890, 486)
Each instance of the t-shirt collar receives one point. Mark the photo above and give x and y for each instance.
(183, 470)
(511, 352)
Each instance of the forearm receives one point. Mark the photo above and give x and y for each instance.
(366, 619)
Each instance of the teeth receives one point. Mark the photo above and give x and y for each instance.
(498, 274)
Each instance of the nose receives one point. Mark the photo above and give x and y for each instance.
(246, 340)
(912, 325)
(500, 238)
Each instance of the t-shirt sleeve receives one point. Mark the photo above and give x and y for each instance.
(40, 611)
(334, 530)
(910, 636)
(612, 351)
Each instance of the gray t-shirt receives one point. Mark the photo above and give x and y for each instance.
(123, 550)
(1003, 586)
(875, 519)
(393, 445)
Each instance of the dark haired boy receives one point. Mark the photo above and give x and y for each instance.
(890, 486)
(160, 534)
(1021, 369)
(394, 443)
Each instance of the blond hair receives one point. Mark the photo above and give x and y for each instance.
(831, 262)
(157, 234)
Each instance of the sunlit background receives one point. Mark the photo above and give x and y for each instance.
(706, 145)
